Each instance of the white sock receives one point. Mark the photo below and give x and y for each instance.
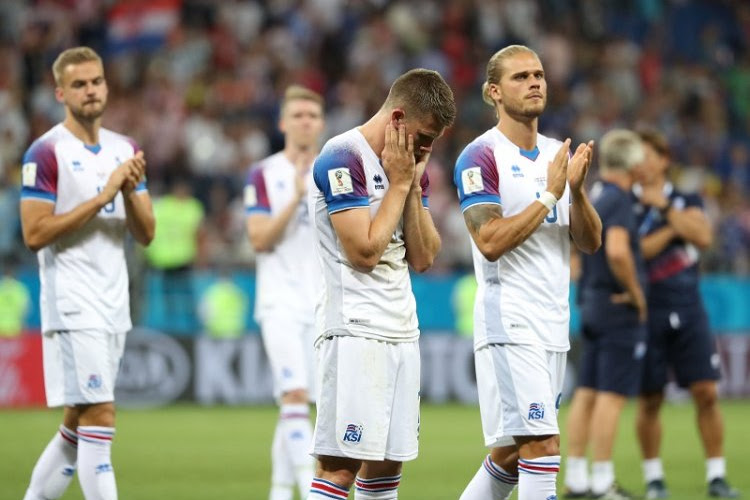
(378, 488)
(54, 470)
(322, 489)
(576, 474)
(297, 435)
(602, 477)
(537, 478)
(653, 470)
(282, 471)
(95, 470)
(491, 482)
(715, 467)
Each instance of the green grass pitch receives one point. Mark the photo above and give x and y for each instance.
(188, 452)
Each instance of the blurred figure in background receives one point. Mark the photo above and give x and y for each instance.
(14, 302)
(278, 226)
(673, 230)
(613, 315)
(83, 190)
(173, 254)
(222, 308)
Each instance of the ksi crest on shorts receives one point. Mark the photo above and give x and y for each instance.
(353, 433)
(536, 411)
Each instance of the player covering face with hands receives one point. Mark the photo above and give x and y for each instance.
(370, 211)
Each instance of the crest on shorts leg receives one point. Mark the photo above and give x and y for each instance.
(353, 433)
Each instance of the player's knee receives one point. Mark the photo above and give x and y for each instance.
(705, 395)
(101, 415)
(339, 470)
(538, 446)
(650, 404)
(295, 396)
(507, 458)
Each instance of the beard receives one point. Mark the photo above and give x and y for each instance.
(525, 110)
(88, 112)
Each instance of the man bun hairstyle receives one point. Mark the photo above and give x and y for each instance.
(495, 68)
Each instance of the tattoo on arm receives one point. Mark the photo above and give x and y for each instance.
(477, 215)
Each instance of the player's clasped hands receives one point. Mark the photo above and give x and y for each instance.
(557, 171)
(125, 177)
(398, 156)
(579, 164)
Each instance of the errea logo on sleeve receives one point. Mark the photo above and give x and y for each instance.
(471, 179)
(251, 196)
(28, 174)
(340, 180)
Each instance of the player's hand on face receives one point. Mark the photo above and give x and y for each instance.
(557, 171)
(398, 155)
(419, 169)
(579, 164)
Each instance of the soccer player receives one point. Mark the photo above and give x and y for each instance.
(522, 198)
(673, 230)
(279, 229)
(369, 209)
(83, 188)
(613, 314)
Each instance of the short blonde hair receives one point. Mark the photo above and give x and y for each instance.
(297, 93)
(620, 149)
(75, 55)
(495, 68)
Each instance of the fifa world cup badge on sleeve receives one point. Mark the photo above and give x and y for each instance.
(341, 181)
(28, 174)
(251, 197)
(471, 178)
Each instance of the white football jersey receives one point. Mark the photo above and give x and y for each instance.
(288, 277)
(380, 304)
(84, 278)
(522, 298)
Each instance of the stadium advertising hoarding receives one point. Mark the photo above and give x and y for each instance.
(159, 369)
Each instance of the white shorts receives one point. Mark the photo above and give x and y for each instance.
(290, 352)
(80, 366)
(368, 399)
(519, 391)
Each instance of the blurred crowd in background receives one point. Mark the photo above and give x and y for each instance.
(197, 84)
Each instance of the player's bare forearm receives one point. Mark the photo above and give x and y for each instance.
(42, 227)
(657, 241)
(421, 238)
(624, 271)
(585, 224)
(692, 225)
(494, 234)
(140, 216)
(364, 239)
(264, 230)
(621, 262)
